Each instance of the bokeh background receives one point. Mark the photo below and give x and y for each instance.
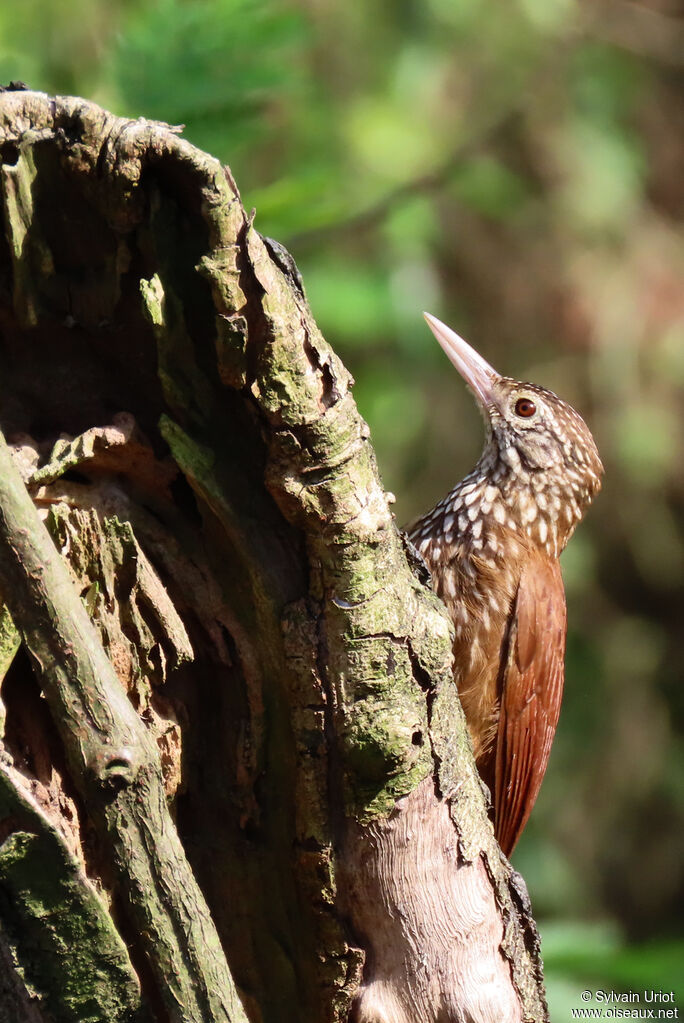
(517, 168)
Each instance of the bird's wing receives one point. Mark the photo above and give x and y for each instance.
(531, 693)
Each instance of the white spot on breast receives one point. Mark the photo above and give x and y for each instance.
(492, 543)
(528, 507)
(475, 652)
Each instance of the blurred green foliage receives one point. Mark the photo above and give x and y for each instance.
(517, 169)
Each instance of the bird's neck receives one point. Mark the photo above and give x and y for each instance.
(498, 495)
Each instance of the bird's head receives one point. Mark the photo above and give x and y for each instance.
(537, 445)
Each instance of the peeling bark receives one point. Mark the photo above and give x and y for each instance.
(263, 642)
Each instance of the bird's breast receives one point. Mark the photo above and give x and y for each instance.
(477, 579)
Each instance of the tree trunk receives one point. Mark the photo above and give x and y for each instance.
(281, 821)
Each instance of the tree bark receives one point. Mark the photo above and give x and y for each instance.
(236, 781)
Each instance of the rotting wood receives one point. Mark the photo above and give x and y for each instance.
(114, 762)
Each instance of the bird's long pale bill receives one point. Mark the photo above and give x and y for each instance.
(477, 373)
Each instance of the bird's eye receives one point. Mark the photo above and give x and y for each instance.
(525, 408)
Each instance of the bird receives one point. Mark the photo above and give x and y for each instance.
(492, 547)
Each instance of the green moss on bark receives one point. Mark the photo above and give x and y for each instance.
(59, 931)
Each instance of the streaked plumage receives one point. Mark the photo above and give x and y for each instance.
(492, 547)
